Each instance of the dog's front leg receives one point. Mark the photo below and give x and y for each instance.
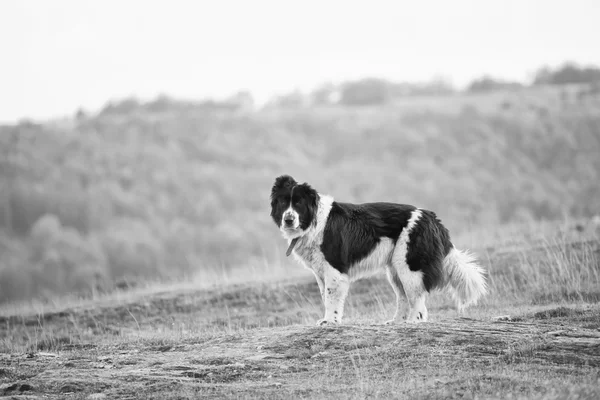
(321, 285)
(336, 290)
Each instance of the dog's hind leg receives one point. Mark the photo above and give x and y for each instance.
(337, 285)
(418, 312)
(396, 284)
(416, 294)
(412, 278)
(412, 281)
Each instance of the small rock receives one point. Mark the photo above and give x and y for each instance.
(96, 396)
(556, 333)
(44, 354)
(11, 388)
(69, 388)
(25, 387)
(320, 354)
(257, 357)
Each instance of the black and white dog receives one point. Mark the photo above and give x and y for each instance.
(342, 242)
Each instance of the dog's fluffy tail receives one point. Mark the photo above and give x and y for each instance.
(465, 279)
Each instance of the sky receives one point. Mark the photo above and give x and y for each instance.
(60, 55)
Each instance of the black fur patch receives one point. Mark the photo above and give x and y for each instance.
(429, 243)
(353, 230)
(305, 201)
(280, 196)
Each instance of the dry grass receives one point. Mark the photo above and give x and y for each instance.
(234, 334)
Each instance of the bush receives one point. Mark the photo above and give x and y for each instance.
(29, 203)
(62, 260)
(132, 250)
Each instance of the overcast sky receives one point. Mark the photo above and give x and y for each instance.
(59, 55)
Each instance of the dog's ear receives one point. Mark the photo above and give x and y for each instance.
(310, 193)
(312, 197)
(282, 182)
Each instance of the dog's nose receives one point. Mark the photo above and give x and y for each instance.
(289, 220)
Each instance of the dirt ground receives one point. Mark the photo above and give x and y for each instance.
(259, 341)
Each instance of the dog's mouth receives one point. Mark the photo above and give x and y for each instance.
(291, 227)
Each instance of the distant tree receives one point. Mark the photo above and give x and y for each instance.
(437, 86)
(8, 172)
(63, 259)
(121, 107)
(80, 114)
(565, 74)
(131, 248)
(293, 99)
(542, 76)
(368, 91)
(242, 100)
(325, 94)
(488, 84)
(161, 103)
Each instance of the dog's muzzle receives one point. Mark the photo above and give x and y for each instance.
(289, 220)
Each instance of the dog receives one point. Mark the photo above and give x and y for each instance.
(343, 242)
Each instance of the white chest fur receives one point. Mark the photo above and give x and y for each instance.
(308, 248)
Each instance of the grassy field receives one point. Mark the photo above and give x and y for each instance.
(251, 334)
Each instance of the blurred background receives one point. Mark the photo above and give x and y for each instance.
(139, 140)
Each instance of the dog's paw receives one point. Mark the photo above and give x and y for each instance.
(324, 321)
(395, 320)
(416, 318)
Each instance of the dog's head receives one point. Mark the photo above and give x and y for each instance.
(293, 206)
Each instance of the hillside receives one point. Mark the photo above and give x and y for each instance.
(164, 190)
